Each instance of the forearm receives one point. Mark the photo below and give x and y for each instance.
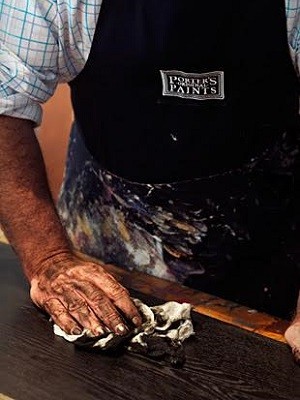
(27, 213)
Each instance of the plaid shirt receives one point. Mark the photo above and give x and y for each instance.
(46, 42)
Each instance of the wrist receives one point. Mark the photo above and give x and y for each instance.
(43, 262)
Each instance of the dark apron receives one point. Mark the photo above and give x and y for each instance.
(184, 157)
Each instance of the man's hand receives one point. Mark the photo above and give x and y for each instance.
(292, 334)
(76, 294)
(79, 294)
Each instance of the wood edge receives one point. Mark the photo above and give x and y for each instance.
(246, 324)
(203, 303)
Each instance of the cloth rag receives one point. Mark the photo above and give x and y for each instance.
(165, 327)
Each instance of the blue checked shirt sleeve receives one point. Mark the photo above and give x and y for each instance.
(41, 43)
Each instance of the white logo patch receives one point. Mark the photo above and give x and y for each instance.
(206, 86)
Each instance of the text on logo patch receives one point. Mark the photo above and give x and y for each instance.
(206, 86)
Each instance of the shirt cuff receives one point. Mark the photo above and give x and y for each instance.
(20, 106)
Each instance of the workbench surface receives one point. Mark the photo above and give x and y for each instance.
(223, 362)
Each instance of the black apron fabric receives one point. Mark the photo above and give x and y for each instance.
(203, 192)
(129, 126)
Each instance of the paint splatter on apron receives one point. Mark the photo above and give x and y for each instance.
(168, 94)
(234, 234)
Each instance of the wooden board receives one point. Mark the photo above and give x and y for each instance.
(203, 303)
(223, 362)
(206, 304)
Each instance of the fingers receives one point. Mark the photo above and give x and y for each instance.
(61, 317)
(102, 307)
(85, 296)
(119, 296)
(80, 311)
(126, 305)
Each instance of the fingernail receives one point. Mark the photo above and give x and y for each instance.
(76, 331)
(136, 321)
(121, 329)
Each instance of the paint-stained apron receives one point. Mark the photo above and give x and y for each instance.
(183, 163)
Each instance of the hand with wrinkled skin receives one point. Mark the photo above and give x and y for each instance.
(292, 334)
(78, 294)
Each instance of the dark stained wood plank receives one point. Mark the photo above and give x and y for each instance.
(205, 304)
(223, 362)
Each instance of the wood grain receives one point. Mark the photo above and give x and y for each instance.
(223, 362)
(205, 304)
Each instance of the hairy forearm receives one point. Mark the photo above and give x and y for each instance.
(27, 213)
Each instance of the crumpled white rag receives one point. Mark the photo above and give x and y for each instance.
(160, 336)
